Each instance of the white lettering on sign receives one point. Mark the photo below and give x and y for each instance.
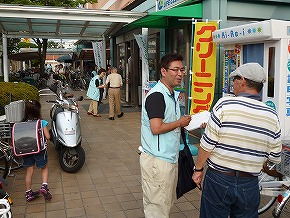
(165, 4)
(243, 33)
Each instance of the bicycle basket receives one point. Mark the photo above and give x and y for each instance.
(5, 130)
(284, 166)
(15, 111)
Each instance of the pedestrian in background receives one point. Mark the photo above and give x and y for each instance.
(160, 139)
(94, 72)
(108, 86)
(114, 92)
(242, 133)
(94, 93)
(32, 112)
(102, 70)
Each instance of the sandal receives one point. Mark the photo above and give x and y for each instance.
(96, 115)
(89, 113)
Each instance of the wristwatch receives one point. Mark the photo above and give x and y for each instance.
(197, 170)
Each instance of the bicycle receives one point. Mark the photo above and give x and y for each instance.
(8, 161)
(282, 209)
(274, 181)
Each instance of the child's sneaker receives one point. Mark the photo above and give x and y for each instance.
(45, 192)
(30, 195)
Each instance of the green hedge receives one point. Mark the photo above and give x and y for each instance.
(18, 91)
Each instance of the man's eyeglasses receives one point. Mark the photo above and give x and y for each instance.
(182, 70)
(237, 77)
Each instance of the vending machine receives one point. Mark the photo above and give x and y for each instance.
(267, 43)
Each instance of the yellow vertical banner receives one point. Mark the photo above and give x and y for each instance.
(203, 67)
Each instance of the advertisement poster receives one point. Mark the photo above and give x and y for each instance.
(181, 99)
(203, 67)
(288, 83)
(231, 62)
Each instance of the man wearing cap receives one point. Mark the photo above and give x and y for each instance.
(241, 134)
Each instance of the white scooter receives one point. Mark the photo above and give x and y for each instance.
(66, 131)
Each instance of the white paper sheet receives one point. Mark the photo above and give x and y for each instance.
(197, 120)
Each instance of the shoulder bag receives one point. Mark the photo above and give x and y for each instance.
(185, 169)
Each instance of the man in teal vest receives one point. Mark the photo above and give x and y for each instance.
(160, 138)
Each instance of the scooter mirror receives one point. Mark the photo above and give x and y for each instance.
(80, 98)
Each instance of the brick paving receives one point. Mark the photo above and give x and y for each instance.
(108, 186)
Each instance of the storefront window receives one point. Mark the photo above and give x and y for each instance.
(178, 45)
(271, 72)
(152, 59)
(254, 53)
(178, 42)
(121, 56)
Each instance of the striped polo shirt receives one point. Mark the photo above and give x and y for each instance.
(242, 133)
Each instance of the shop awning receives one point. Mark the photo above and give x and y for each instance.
(19, 21)
(87, 54)
(160, 19)
(24, 56)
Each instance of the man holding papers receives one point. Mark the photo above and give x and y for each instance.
(160, 138)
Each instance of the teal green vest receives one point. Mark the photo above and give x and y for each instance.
(164, 146)
(94, 92)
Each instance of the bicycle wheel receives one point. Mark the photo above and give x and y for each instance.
(15, 162)
(266, 200)
(4, 167)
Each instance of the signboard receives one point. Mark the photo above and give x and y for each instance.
(288, 83)
(250, 32)
(99, 54)
(203, 67)
(142, 41)
(166, 4)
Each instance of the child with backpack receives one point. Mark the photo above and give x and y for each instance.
(32, 112)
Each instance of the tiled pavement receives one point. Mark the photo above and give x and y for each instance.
(109, 183)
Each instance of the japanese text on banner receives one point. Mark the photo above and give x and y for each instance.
(203, 67)
(99, 53)
(142, 42)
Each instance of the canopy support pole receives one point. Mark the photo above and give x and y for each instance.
(5, 58)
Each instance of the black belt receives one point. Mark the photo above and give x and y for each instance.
(114, 87)
(235, 173)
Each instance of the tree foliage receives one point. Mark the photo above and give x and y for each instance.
(42, 44)
(26, 45)
(12, 45)
(62, 3)
(53, 44)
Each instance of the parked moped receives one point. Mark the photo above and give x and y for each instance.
(66, 131)
(5, 200)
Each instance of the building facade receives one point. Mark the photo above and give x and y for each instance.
(170, 30)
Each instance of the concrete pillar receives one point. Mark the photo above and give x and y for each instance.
(217, 10)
